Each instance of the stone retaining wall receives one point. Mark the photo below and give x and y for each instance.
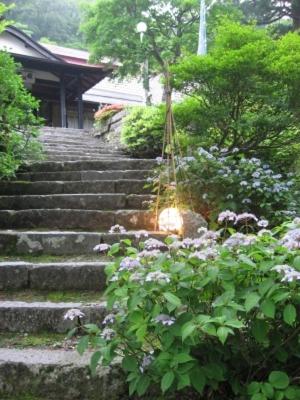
(111, 131)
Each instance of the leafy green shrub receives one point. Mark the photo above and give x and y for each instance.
(18, 121)
(246, 91)
(218, 314)
(218, 180)
(143, 131)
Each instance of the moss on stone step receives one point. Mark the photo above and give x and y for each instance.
(22, 341)
(56, 297)
(23, 397)
(46, 258)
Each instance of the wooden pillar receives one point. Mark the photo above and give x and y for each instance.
(63, 106)
(80, 103)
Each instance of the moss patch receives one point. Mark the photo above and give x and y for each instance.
(56, 297)
(51, 259)
(22, 397)
(41, 340)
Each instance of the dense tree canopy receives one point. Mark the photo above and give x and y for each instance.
(57, 20)
(110, 29)
(268, 11)
(245, 90)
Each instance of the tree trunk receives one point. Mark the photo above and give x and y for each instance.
(296, 14)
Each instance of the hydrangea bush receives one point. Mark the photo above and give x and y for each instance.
(219, 179)
(217, 316)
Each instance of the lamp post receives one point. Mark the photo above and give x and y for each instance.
(142, 28)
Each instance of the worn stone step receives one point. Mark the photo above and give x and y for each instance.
(99, 148)
(33, 317)
(52, 276)
(70, 131)
(58, 375)
(84, 158)
(123, 164)
(68, 187)
(83, 175)
(59, 243)
(56, 140)
(76, 201)
(80, 152)
(75, 219)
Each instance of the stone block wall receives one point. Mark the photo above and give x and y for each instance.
(111, 130)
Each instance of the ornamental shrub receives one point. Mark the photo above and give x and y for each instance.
(105, 113)
(218, 179)
(143, 131)
(217, 315)
(246, 90)
(18, 121)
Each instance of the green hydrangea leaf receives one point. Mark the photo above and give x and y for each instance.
(279, 380)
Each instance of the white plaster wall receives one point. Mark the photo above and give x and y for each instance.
(47, 76)
(16, 46)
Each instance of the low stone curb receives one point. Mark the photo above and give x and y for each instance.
(129, 186)
(52, 276)
(76, 219)
(58, 375)
(59, 243)
(19, 316)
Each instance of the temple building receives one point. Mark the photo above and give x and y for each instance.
(70, 89)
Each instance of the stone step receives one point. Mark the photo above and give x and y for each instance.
(84, 158)
(33, 317)
(81, 152)
(99, 147)
(123, 164)
(76, 201)
(83, 175)
(75, 219)
(52, 276)
(58, 375)
(69, 187)
(60, 243)
(84, 140)
(56, 144)
(60, 130)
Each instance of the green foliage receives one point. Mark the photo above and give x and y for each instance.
(143, 131)
(56, 20)
(270, 11)
(3, 9)
(110, 29)
(246, 91)
(18, 123)
(218, 180)
(218, 315)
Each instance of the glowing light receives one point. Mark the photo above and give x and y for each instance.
(141, 27)
(170, 220)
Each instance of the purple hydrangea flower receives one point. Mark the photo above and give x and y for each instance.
(129, 263)
(108, 334)
(158, 276)
(263, 223)
(73, 313)
(227, 216)
(146, 362)
(117, 229)
(165, 319)
(102, 248)
(154, 244)
(245, 217)
(109, 319)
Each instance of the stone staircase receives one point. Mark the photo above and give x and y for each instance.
(51, 217)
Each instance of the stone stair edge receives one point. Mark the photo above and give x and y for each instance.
(50, 276)
(70, 378)
(61, 242)
(20, 316)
